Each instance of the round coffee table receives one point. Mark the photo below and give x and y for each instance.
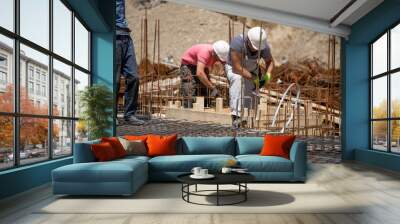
(238, 179)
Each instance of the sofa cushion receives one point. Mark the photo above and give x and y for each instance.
(134, 147)
(185, 163)
(133, 157)
(161, 145)
(136, 137)
(206, 145)
(277, 145)
(103, 152)
(83, 152)
(112, 171)
(249, 145)
(257, 163)
(116, 145)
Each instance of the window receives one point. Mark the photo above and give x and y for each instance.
(35, 21)
(62, 78)
(30, 87)
(38, 89)
(62, 29)
(3, 61)
(3, 72)
(81, 81)
(44, 91)
(3, 81)
(3, 78)
(62, 137)
(385, 92)
(7, 14)
(37, 75)
(81, 45)
(30, 72)
(6, 73)
(33, 147)
(49, 79)
(6, 142)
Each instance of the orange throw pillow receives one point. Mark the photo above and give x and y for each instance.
(103, 152)
(136, 137)
(159, 145)
(116, 145)
(277, 145)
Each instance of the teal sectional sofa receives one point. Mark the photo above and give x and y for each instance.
(125, 176)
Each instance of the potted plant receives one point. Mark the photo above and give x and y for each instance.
(96, 103)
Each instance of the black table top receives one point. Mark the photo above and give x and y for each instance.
(220, 178)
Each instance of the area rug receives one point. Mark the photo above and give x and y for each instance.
(166, 198)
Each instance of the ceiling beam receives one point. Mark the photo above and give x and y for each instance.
(346, 12)
(269, 15)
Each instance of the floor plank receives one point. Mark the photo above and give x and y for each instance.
(376, 190)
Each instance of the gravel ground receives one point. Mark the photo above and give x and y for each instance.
(320, 150)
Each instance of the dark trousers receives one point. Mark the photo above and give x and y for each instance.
(191, 86)
(127, 66)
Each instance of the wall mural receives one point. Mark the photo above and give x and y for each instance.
(203, 73)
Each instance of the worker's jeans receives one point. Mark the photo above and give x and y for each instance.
(191, 86)
(236, 92)
(127, 66)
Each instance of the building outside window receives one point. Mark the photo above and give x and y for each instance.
(385, 91)
(37, 75)
(38, 89)
(3, 81)
(3, 72)
(30, 72)
(56, 128)
(43, 90)
(3, 61)
(30, 87)
(43, 78)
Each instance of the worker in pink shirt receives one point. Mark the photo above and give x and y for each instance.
(195, 64)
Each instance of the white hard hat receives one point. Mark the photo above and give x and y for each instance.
(221, 48)
(254, 36)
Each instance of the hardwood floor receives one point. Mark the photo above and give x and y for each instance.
(378, 190)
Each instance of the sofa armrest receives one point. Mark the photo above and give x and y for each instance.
(298, 155)
(83, 152)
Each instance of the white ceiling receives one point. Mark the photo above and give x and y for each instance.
(315, 15)
(320, 9)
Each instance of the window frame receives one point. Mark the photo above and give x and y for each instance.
(16, 114)
(388, 74)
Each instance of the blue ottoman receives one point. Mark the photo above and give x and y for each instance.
(119, 177)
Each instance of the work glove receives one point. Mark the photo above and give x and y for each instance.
(214, 92)
(264, 80)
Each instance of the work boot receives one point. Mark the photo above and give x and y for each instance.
(134, 120)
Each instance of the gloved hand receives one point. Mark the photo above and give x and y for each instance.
(214, 92)
(265, 79)
(256, 82)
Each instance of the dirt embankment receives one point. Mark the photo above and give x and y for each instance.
(183, 25)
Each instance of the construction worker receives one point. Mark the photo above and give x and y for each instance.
(126, 64)
(244, 72)
(195, 64)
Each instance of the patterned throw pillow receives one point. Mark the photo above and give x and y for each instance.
(134, 147)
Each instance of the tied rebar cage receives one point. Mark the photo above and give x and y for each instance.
(297, 99)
